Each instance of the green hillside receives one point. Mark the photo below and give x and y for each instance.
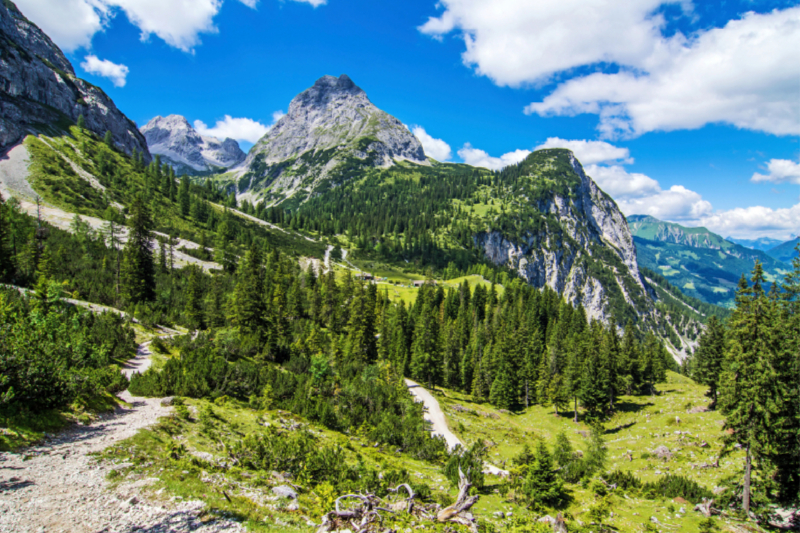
(785, 252)
(700, 263)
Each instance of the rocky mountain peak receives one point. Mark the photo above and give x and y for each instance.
(181, 146)
(330, 126)
(38, 86)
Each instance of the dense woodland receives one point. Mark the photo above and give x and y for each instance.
(752, 367)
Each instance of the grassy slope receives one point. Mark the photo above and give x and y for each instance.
(147, 455)
(55, 179)
(705, 274)
(642, 424)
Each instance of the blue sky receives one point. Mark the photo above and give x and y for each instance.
(686, 111)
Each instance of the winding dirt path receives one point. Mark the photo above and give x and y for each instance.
(435, 415)
(59, 487)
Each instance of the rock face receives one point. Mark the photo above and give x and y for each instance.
(187, 151)
(331, 129)
(585, 234)
(38, 87)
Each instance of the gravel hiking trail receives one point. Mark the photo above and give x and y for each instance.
(59, 487)
(435, 415)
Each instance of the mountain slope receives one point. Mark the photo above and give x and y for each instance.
(701, 263)
(331, 129)
(785, 252)
(38, 87)
(187, 151)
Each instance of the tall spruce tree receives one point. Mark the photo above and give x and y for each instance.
(709, 357)
(138, 270)
(751, 393)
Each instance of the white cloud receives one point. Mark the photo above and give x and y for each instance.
(241, 129)
(70, 23)
(677, 204)
(744, 73)
(479, 158)
(105, 68)
(780, 171)
(619, 183)
(520, 41)
(754, 222)
(315, 3)
(435, 148)
(73, 23)
(590, 152)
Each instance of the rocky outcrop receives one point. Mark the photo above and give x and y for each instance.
(585, 227)
(330, 128)
(38, 88)
(187, 151)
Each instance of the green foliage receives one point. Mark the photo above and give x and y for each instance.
(52, 355)
(667, 487)
(469, 461)
(542, 487)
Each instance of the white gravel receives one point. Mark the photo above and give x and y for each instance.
(59, 487)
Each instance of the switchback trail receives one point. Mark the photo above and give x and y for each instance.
(59, 486)
(435, 415)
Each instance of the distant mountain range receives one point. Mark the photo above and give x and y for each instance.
(765, 244)
(701, 263)
(188, 152)
(785, 252)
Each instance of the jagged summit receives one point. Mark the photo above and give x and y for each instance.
(187, 151)
(331, 127)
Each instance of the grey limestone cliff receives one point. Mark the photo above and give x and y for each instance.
(586, 251)
(187, 151)
(38, 88)
(330, 128)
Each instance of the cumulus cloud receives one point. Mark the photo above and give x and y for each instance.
(70, 23)
(754, 222)
(744, 73)
(479, 158)
(241, 129)
(677, 204)
(73, 23)
(780, 171)
(619, 183)
(435, 148)
(590, 152)
(519, 41)
(105, 68)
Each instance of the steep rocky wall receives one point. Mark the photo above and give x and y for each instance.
(590, 222)
(38, 87)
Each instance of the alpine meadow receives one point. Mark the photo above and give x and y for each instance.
(324, 319)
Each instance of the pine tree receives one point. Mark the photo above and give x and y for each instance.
(751, 393)
(542, 487)
(248, 297)
(194, 298)
(138, 271)
(81, 122)
(184, 197)
(709, 357)
(224, 248)
(109, 139)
